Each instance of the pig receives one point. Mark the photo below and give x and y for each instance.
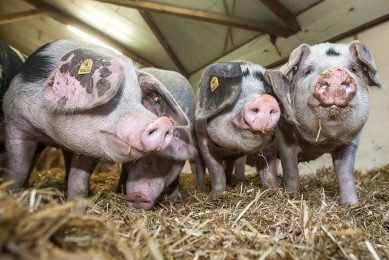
(10, 62)
(86, 100)
(237, 110)
(328, 88)
(144, 180)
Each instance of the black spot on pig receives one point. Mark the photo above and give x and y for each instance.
(105, 72)
(62, 102)
(37, 66)
(259, 75)
(87, 83)
(332, 52)
(246, 72)
(102, 86)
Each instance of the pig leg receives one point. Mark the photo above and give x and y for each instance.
(229, 168)
(121, 188)
(20, 154)
(240, 165)
(216, 171)
(289, 161)
(343, 159)
(81, 169)
(67, 157)
(173, 190)
(198, 168)
(266, 165)
(267, 169)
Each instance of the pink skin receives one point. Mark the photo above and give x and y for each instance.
(139, 200)
(334, 87)
(144, 192)
(145, 135)
(262, 114)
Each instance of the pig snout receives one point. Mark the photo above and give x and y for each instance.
(158, 134)
(139, 200)
(262, 114)
(334, 87)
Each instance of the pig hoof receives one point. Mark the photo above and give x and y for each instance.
(349, 202)
(202, 188)
(294, 193)
(218, 189)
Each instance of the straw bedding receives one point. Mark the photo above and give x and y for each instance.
(245, 222)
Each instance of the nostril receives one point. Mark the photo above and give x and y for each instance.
(152, 131)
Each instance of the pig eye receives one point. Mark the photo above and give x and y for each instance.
(157, 99)
(308, 71)
(353, 69)
(176, 135)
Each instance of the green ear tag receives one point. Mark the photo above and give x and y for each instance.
(214, 84)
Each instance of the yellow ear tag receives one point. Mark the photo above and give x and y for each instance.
(214, 84)
(85, 67)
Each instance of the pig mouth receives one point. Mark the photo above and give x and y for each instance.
(333, 113)
(122, 147)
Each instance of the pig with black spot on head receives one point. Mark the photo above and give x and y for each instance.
(329, 92)
(236, 113)
(87, 100)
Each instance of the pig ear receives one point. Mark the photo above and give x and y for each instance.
(83, 79)
(297, 56)
(279, 83)
(157, 99)
(364, 55)
(220, 87)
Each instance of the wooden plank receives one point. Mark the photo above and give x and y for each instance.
(21, 16)
(166, 46)
(70, 20)
(283, 13)
(203, 16)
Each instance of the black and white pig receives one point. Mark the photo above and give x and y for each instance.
(236, 113)
(10, 62)
(147, 178)
(329, 91)
(85, 99)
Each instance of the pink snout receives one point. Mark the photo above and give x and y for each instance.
(139, 200)
(262, 114)
(334, 87)
(157, 135)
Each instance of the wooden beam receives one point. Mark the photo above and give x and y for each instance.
(70, 20)
(338, 37)
(283, 13)
(166, 46)
(21, 16)
(203, 16)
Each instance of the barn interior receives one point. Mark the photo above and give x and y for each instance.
(247, 221)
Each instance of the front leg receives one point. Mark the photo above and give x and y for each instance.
(213, 162)
(343, 159)
(288, 153)
(240, 165)
(228, 169)
(266, 165)
(198, 169)
(20, 153)
(79, 176)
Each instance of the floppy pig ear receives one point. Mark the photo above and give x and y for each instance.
(82, 80)
(279, 83)
(295, 58)
(157, 99)
(364, 55)
(220, 86)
